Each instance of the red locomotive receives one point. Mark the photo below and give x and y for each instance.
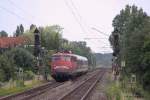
(65, 66)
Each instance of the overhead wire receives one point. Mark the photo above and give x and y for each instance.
(81, 19)
(99, 31)
(74, 6)
(93, 38)
(21, 9)
(74, 15)
(79, 15)
(85, 24)
(15, 14)
(78, 19)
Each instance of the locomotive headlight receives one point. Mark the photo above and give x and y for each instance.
(64, 67)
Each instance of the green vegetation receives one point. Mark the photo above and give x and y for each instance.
(19, 64)
(19, 31)
(113, 92)
(103, 60)
(3, 34)
(12, 60)
(6, 69)
(131, 43)
(125, 90)
(14, 90)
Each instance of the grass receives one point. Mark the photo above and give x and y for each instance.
(113, 92)
(14, 90)
(123, 90)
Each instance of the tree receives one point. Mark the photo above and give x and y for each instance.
(32, 27)
(12, 60)
(19, 31)
(51, 37)
(3, 34)
(146, 63)
(22, 58)
(132, 27)
(7, 68)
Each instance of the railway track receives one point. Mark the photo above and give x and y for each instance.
(32, 92)
(78, 89)
(81, 91)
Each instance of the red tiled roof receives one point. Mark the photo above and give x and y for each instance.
(6, 42)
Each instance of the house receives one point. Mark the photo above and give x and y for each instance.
(11, 42)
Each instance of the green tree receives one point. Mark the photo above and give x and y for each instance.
(132, 28)
(32, 27)
(22, 58)
(19, 31)
(3, 34)
(7, 68)
(51, 37)
(21, 28)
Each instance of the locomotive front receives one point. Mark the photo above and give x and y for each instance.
(61, 66)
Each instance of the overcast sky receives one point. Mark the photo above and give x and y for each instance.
(81, 19)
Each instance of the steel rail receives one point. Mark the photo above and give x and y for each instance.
(32, 92)
(70, 92)
(90, 89)
(41, 91)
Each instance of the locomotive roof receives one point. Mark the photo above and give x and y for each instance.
(74, 55)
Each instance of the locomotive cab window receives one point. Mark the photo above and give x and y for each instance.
(66, 58)
(73, 59)
(56, 58)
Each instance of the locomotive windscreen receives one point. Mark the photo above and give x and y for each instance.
(62, 58)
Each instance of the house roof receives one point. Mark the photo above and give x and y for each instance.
(7, 42)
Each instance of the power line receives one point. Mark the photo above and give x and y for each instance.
(74, 15)
(99, 31)
(100, 41)
(94, 38)
(73, 5)
(13, 13)
(80, 19)
(79, 15)
(106, 47)
(19, 8)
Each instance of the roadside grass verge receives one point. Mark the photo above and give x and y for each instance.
(123, 90)
(14, 90)
(113, 92)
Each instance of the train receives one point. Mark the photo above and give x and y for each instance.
(65, 66)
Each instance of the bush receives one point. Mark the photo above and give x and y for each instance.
(29, 75)
(2, 75)
(7, 68)
(114, 91)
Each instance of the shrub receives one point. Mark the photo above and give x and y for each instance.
(29, 75)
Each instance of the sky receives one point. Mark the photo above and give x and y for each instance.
(82, 20)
